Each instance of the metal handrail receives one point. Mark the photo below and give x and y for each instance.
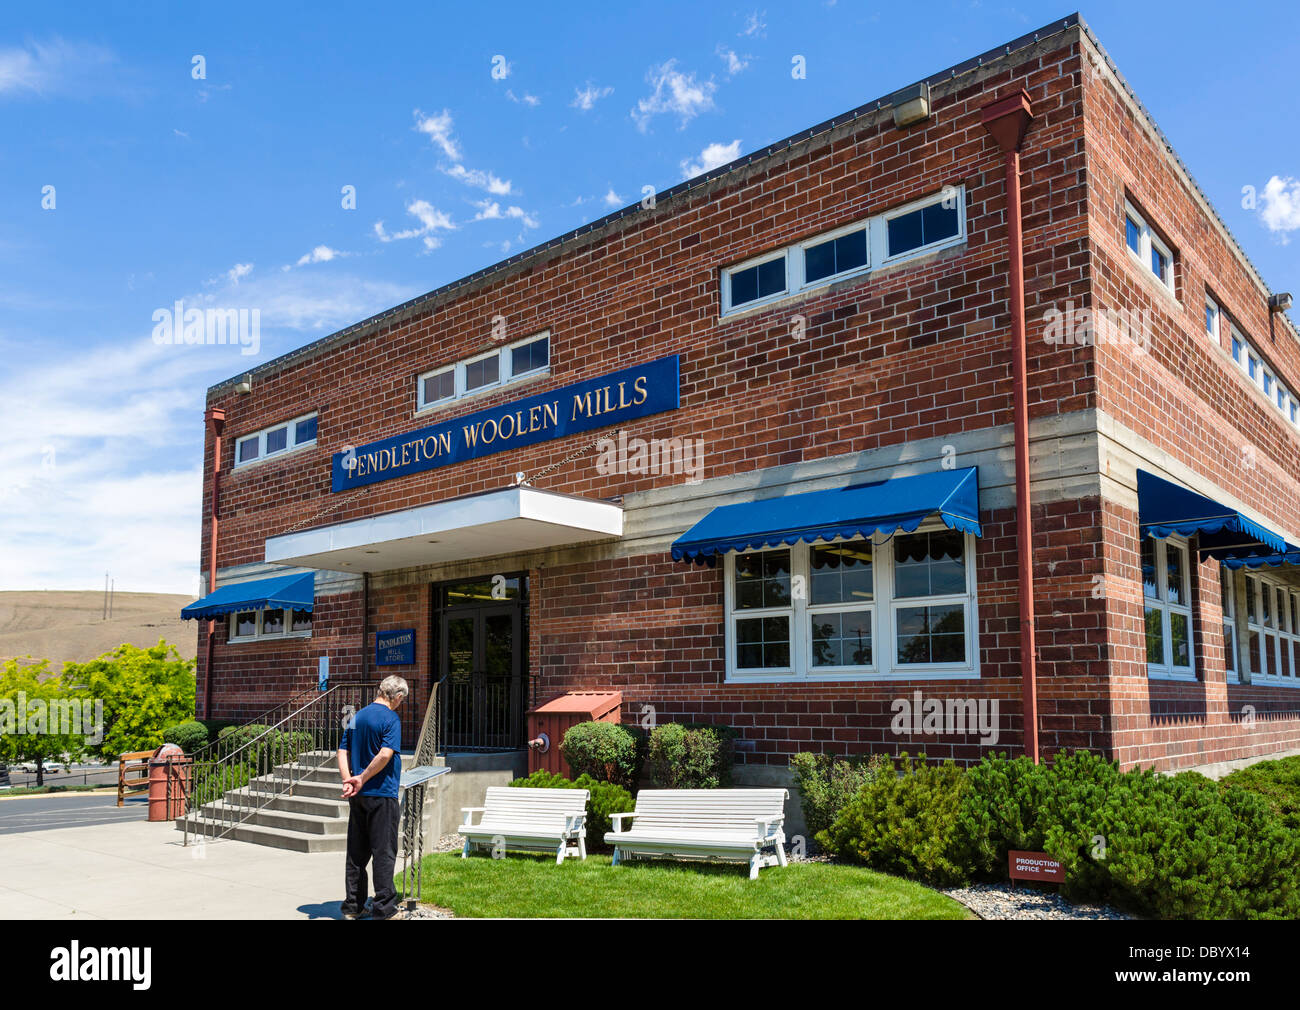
(221, 793)
(206, 752)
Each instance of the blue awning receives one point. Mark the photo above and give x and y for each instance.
(1165, 508)
(1291, 556)
(858, 510)
(294, 592)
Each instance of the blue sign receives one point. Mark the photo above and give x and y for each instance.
(596, 403)
(395, 648)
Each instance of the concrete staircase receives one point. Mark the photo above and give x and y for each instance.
(312, 818)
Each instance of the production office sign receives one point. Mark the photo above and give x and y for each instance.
(620, 396)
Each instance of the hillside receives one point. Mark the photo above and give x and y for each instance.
(62, 626)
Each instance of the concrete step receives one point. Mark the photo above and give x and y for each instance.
(301, 787)
(280, 837)
(270, 817)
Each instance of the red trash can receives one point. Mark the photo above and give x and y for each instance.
(168, 765)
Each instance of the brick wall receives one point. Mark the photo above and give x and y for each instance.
(914, 351)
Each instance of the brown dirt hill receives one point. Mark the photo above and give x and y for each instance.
(61, 626)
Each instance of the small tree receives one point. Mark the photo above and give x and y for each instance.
(144, 691)
(40, 716)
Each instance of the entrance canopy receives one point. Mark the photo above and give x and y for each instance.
(508, 521)
(860, 510)
(1165, 508)
(290, 592)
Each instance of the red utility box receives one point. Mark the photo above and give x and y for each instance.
(548, 723)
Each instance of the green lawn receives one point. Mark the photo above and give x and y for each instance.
(532, 886)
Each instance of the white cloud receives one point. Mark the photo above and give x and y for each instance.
(53, 68)
(438, 129)
(710, 158)
(239, 271)
(734, 63)
(431, 219)
(1281, 205)
(612, 199)
(755, 26)
(490, 210)
(526, 99)
(585, 98)
(101, 469)
(320, 254)
(673, 92)
(483, 180)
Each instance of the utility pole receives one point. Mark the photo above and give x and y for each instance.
(105, 617)
(111, 586)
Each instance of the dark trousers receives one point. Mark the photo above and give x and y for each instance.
(372, 834)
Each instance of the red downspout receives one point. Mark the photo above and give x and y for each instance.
(215, 418)
(1007, 120)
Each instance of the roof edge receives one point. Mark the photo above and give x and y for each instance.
(875, 105)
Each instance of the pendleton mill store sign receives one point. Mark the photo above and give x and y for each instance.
(596, 403)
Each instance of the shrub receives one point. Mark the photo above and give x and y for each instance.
(188, 736)
(605, 800)
(691, 756)
(1278, 782)
(726, 760)
(909, 824)
(826, 783)
(275, 747)
(604, 750)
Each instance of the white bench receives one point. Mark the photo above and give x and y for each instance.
(549, 820)
(733, 825)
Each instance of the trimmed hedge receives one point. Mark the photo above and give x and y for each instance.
(606, 798)
(691, 756)
(189, 736)
(604, 750)
(1169, 846)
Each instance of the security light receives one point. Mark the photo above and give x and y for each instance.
(911, 105)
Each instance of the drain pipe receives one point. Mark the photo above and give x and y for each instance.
(1007, 120)
(215, 418)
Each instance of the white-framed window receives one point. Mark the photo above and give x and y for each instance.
(923, 226)
(263, 625)
(1228, 598)
(1148, 248)
(757, 281)
(276, 440)
(1167, 608)
(1273, 618)
(1249, 360)
(521, 359)
(897, 607)
(529, 356)
(481, 372)
(933, 222)
(1213, 315)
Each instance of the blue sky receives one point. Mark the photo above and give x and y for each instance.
(226, 189)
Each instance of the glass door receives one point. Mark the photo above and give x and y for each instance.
(483, 696)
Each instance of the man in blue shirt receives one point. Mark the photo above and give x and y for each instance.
(370, 763)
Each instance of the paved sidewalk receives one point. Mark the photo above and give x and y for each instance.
(138, 870)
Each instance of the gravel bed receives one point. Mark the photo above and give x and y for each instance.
(1001, 901)
(423, 911)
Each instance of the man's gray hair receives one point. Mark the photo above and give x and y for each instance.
(394, 688)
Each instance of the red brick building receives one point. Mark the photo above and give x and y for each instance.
(834, 317)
